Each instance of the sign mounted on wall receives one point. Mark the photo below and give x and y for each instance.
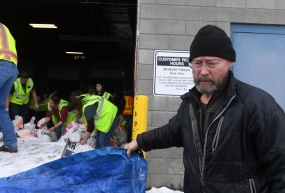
(172, 74)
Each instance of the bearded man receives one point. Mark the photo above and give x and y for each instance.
(233, 134)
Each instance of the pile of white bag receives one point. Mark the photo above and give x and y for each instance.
(72, 135)
(24, 130)
(43, 134)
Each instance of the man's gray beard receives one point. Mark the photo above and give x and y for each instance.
(210, 90)
(214, 88)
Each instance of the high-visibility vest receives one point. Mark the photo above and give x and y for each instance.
(43, 106)
(128, 110)
(105, 112)
(106, 95)
(19, 96)
(86, 95)
(70, 117)
(7, 45)
(48, 99)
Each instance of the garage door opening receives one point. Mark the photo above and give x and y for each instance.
(104, 32)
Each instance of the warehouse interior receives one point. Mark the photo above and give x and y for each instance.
(102, 32)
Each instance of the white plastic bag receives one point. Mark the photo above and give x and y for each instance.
(30, 127)
(122, 135)
(44, 135)
(82, 148)
(119, 137)
(23, 133)
(92, 142)
(82, 128)
(72, 135)
(18, 122)
(64, 136)
(40, 122)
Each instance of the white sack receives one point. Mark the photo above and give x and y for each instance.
(82, 148)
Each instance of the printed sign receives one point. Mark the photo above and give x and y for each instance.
(172, 74)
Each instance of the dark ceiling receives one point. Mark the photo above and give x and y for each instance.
(105, 31)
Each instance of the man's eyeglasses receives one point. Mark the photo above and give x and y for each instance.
(209, 64)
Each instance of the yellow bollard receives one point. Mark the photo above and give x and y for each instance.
(140, 113)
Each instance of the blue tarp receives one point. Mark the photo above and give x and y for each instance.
(106, 170)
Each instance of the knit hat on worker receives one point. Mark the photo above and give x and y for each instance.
(212, 41)
(102, 83)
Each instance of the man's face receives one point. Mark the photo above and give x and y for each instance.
(23, 80)
(210, 73)
(98, 87)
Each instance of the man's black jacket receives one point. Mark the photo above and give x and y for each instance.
(244, 144)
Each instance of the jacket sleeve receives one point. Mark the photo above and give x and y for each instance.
(269, 139)
(166, 136)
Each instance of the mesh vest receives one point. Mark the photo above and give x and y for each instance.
(106, 95)
(7, 45)
(43, 106)
(70, 117)
(19, 96)
(105, 112)
(128, 110)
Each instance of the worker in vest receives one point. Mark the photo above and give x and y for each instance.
(59, 115)
(98, 114)
(91, 91)
(8, 74)
(128, 113)
(50, 94)
(20, 95)
(100, 90)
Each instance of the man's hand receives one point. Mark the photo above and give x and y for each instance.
(131, 147)
(36, 106)
(83, 141)
(51, 129)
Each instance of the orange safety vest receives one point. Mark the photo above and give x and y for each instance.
(128, 110)
(7, 45)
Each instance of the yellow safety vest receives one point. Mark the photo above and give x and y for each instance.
(105, 112)
(106, 95)
(128, 110)
(70, 117)
(7, 45)
(88, 94)
(48, 99)
(43, 105)
(19, 96)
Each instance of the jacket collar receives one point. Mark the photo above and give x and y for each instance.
(228, 91)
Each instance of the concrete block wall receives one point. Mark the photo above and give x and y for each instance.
(172, 25)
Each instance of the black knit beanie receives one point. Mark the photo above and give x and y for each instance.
(102, 83)
(212, 41)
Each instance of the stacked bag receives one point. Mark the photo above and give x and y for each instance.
(72, 135)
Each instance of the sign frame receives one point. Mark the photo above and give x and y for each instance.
(172, 74)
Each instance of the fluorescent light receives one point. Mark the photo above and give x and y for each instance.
(34, 25)
(44, 27)
(41, 24)
(74, 52)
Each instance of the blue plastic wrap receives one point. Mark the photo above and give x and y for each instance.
(106, 170)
